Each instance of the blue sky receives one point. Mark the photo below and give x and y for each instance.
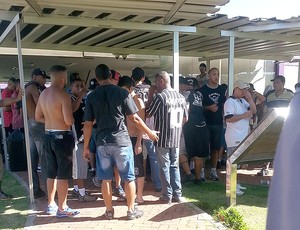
(281, 9)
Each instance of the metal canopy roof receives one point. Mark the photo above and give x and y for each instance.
(146, 26)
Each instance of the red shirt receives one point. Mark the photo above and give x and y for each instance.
(7, 115)
(17, 119)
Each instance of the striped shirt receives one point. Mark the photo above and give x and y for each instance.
(168, 109)
(283, 100)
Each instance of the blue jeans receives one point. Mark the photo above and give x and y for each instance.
(168, 160)
(110, 155)
(36, 139)
(153, 163)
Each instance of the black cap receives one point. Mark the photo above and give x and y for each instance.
(39, 72)
(282, 78)
(93, 84)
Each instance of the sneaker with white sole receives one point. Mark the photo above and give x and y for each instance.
(86, 198)
(75, 193)
(52, 209)
(67, 212)
(239, 192)
(214, 176)
(202, 176)
(131, 215)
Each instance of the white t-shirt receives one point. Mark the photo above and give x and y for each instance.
(236, 131)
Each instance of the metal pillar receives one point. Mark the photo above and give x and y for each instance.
(231, 179)
(176, 60)
(21, 73)
(207, 64)
(299, 71)
(231, 65)
(231, 169)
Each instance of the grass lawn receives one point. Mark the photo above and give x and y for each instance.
(14, 211)
(210, 196)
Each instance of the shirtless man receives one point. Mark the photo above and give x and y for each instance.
(33, 89)
(55, 110)
(136, 137)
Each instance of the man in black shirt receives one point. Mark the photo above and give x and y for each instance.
(109, 105)
(214, 97)
(80, 166)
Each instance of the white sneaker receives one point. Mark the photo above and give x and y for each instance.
(239, 192)
(202, 176)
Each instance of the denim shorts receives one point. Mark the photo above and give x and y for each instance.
(107, 156)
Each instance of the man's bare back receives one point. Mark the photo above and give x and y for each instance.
(54, 107)
(132, 129)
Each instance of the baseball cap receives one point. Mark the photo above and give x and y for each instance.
(241, 85)
(251, 86)
(189, 81)
(40, 72)
(282, 78)
(93, 84)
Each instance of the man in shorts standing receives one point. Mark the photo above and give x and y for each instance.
(80, 165)
(109, 105)
(214, 97)
(55, 110)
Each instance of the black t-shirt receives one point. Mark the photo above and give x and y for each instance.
(78, 117)
(109, 105)
(196, 116)
(214, 96)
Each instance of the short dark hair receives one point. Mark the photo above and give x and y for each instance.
(73, 76)
(202, 65)
(137, 74)
(126, 81)
(17, 81)
(12, 79)
(102, 72)
(58, 68)
(76, 79)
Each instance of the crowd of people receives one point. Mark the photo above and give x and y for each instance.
(119, 121)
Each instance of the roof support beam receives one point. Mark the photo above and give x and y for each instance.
(173, 11)
(10, 27)
(111, 24)
(7, 15)
(261, 36)
(275, 26)
(35, 6)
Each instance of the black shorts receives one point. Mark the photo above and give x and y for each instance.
(138, 160)
(59, 147)
(215, 136)
(196, 140)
